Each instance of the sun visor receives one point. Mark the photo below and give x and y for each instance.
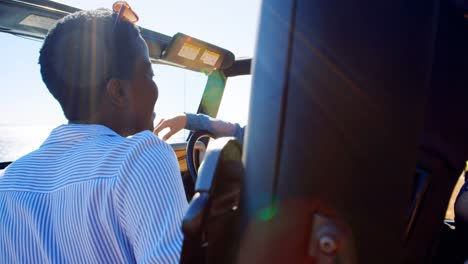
(38, 22)
(197, 55)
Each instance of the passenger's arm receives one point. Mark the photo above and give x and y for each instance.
(195, 122)
(218, 128)
(175, 124)
(150, 202)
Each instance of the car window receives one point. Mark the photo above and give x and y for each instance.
(234, 105)
(29, 112)
(179, 91)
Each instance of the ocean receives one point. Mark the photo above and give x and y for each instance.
(19, 140)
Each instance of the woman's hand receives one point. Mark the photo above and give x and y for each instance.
(175, 124)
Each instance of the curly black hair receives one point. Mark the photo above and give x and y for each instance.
(81, 53)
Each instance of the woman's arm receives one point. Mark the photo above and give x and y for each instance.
(195, 122)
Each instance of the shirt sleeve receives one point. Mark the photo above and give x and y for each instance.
(150, 202)
(218, 128)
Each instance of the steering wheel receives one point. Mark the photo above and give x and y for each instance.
(192, 158)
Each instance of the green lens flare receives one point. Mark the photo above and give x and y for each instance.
(267, 213)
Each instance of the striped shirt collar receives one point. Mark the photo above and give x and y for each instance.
(70, 132)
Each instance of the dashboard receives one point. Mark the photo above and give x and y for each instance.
(181, 154)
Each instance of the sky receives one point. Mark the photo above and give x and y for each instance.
(229, 24)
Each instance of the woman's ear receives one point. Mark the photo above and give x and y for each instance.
(116, 92)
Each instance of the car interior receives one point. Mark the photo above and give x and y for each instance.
(356, 134)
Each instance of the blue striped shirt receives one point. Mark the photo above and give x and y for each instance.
(88, 195)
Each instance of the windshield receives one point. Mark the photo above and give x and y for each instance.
(29, 112)
(236, 93)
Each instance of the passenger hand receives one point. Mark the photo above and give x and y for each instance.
(175, 124)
